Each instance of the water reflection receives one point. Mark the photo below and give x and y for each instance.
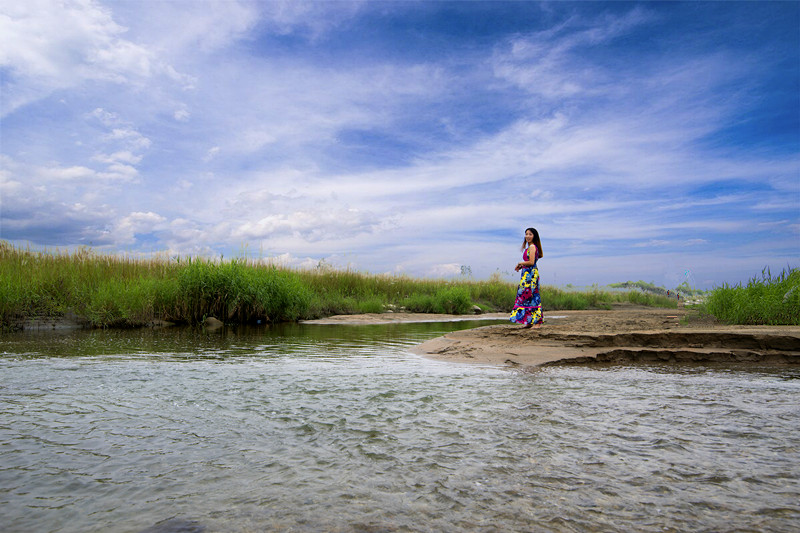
(225, 342)
(339, 428)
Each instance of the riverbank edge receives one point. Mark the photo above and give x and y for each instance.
(72, 321)
(624, 334)
(614, 337)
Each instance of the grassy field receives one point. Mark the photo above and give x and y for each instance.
(126, 291)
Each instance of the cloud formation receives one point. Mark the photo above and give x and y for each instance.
(644, 141)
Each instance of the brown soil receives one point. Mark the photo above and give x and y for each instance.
(625, 333)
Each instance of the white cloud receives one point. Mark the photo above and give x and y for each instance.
(657, 243)
(70, 181)
(549, 63)
(186, 236)
(138, 222)
(131, 138)
(50, 45)
(61, 174)
(119, 172)
(313, 18)
(181, 115)
(105, 117)
(124, 156)
(252, 140)
(184, 26)
(445, 270)
(310, 225)
(211, 154)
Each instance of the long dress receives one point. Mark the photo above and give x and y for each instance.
(528, 305)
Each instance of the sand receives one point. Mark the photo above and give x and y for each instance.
(395, 318)
(625, 333)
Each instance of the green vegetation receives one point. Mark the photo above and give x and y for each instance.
(684, 289)
(347, 292)
(595, 298)
(129, 292)
(641, 285)
(769, 300)
(126, 291)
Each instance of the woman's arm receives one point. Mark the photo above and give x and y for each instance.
(523, 264)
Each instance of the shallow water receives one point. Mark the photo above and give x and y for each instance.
(341, 428)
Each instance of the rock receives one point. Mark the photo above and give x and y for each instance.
(477, 310)
(212, 323)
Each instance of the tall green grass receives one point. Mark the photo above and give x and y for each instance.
(127, 291)
(770, 300)
(238, 292)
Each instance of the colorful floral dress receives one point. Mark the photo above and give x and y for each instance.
(528, 305)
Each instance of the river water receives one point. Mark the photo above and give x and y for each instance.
(341, 428)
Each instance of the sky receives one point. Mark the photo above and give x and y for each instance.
(643, 140)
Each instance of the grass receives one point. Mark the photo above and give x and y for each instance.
(768, 300)
(348, 292)
(596, 298)
(128, 291)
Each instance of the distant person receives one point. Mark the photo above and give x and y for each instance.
(528, 305)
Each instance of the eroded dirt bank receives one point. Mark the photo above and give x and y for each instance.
(626, 333)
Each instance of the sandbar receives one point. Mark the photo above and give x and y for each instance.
(623, 334)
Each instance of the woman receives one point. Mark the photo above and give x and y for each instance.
(528, 305)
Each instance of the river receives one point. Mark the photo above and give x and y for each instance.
(307, 427)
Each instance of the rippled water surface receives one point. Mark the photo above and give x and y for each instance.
(341, 428)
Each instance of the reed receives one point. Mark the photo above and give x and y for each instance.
(768, 300)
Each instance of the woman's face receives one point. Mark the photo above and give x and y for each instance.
(529, 236)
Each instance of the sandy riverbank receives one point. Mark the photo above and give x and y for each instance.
(625, 333)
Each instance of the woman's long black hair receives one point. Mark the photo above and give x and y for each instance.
(536, 241)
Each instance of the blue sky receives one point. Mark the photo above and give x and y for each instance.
(643, 140)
